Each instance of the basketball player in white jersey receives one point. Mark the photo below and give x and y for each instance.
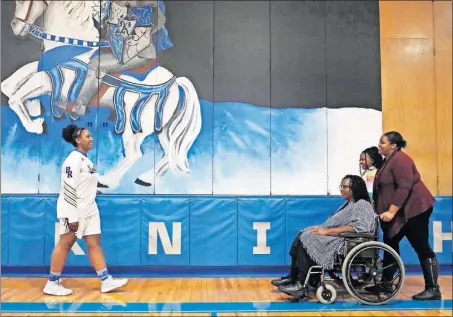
(78, 214)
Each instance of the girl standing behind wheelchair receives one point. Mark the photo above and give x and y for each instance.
(370, 162)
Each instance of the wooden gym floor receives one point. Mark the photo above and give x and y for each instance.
(203, 297)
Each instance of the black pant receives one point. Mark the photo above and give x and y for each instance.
(416, 230)
(300, 261)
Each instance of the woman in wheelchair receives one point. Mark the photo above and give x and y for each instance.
(318, 245)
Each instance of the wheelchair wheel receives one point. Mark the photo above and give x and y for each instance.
(366, 259)
(326, 295)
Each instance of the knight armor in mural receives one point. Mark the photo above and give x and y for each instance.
(128, 27)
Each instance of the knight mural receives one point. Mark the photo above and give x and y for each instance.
(88, 49)
(275, 111)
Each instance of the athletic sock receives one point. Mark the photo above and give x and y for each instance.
(54, 276)
(103, 274)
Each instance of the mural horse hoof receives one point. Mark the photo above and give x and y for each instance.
(100, 185)
(36, 126)
(138, 181)
(8, 88)
(108, 181)
(30, 124)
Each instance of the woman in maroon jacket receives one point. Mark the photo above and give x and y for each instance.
(404, 205)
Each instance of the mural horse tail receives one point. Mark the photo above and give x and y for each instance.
(159, 103)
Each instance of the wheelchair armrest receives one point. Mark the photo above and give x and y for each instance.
(355, 235)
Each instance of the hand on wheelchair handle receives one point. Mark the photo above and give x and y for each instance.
(386, 216)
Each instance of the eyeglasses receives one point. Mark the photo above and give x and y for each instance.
(343, 187)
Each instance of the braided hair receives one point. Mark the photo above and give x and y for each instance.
(358, 188)
(376, 158)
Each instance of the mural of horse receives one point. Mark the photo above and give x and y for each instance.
(157, 103)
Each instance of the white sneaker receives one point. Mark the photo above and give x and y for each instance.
(111, 284)
(55, 288)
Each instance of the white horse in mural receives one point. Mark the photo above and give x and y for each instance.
(178, 103)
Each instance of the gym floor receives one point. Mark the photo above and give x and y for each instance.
(204, 297)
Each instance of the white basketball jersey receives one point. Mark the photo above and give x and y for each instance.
(79, 181)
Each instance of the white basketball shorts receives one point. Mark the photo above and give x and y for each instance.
(87, 227)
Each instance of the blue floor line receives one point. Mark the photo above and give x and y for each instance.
(217, 307)
(143, 272)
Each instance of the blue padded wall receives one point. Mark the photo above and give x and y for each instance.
(120, 225)
(183, 231)
(213, 232)
(27, 219)
(5, 230)
(268, 215)
(173, 213)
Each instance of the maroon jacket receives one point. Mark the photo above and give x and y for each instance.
(399, 183)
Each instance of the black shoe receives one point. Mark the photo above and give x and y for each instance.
(291, 288)
(282, 282)
(295, 290)
(383, 287)
(430, 293)
(430, 273)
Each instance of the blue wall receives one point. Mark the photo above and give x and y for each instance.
(213, 230)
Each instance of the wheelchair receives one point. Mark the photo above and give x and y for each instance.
(358, 264)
